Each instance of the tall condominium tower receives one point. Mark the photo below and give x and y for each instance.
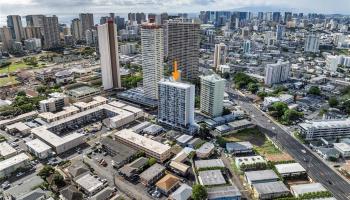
(212, 95)
(108, 47)
(176, 104)
(183, 46)
(279, 31)
(312, 43)
(247, 46)
(87, 21)
(277, 73)
(14, 23)
(6, 38)
(51, 33)
(76, 29)
(220, 54)
(152, 45)
(35, 20)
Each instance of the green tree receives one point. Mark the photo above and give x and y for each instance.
(346, 106)
(197, 102)
(203, 131)
(58, 180)
(291, 115)
(278, 108)
(333, 102)
(199, 192)
(226, 111)
(21, 93)
(151, 161)
(46, 171)
(314, 90)
(253, 87)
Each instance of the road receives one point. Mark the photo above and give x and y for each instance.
(316, 168)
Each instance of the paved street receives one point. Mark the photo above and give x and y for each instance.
(317, 169)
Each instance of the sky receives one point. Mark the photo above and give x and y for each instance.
(68, 7)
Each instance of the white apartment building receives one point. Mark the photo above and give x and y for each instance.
(277, 73)
(10, 165)
(108, 46)
(55, 102)
(325, 129)
(128, 48)
(220, 54)
(212, 95)
(176, 104)
(312, 43)
(332, 63)
(246, 46)
(152, 45)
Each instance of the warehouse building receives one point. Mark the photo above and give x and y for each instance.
(270, 190)
(260, 176)
(224, 192)
(211, 178)
(290, 169)
(239, 147)
(212, 163)
(343, 149)
(152, 148)
(301, 189)
(205, 150)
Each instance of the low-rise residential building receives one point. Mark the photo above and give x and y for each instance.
(71, 193)
(152, 148)
(55, 102)
(89, 184)
(179, 168)
(261, 176)
(211, 178)
(23, 117)
(270, 190)
(83, 93)
(184, 192)
(290, 169)
(10, 165)
(95, 102)
(239, 147)
(64, 76)
(301, 189)
(133, 168)
(152, 174)
(38, 148)
(343, 148)
(205, 150)
(168, 184)
(64, 113)
(6, 151)
(18, 128)
(224, 192)
(184, 139)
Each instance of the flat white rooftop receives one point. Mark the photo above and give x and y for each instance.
(344, 147)
(290, 168)
(13, 161)
(326, 124)
(89, 182)
(6, 149)
(131, 136)
(38, 146)
(20, 126)
(307, 188)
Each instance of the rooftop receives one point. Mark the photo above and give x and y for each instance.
(342, 146)
(80, 91)
(38, 145)
(6, 149)
(270, 187)
(211, 177)
(289, 168)
(184, 138)
(239, 123)
(326, 124)
(168, 182)
(184, 192)
(4, 164)
(223, 192)
(88, 182)
(239, 146)
(147, 143)
(209, 163)
(307, 188)
(261, 175)
(206, 148)
(152, 171)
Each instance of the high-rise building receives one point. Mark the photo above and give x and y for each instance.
(212, 95)
(332, 62)
(312, 43)
(182, 41)
(245, 33)
(32, 32)
(76, 29)
(287, 16)
(176, 104)
(279, 31)
(260, 15)
(104, 20)
(108, 47)
(152, 46)
(91, 37)
(51, 33)
(138, 17)
(87, 22)
(247, 46)
(120, 21)
(6, 38)
(277, 73)
(220, 55)
(276, 17)
(35, 20)
(14, 23)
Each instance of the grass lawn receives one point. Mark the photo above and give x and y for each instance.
(8, 81)
(14, 67)
(261, 144)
